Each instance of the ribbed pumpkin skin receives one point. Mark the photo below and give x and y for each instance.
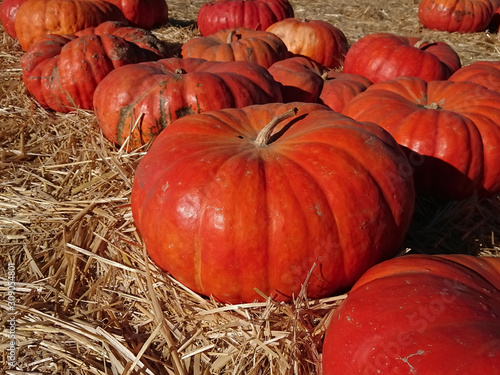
(300, 78)
(8, 12)
(485, 73)
(218, 15)
(225, 216)
(463, 16)
(62, 73)
(239, 44)
(385, 56)
(340, 88)
(37, 18)
(427, 315)
(319, 40)
(455, 148)
(158, 93)
(143, 13)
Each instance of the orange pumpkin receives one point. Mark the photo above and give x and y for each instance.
(232, 200)
(134, 103)
(239, 44)
(485, 73)
(37, 18)
(63, 72)
(319, 40)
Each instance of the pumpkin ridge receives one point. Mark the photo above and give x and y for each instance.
(344, 268)
(321, 189)
(206, 202)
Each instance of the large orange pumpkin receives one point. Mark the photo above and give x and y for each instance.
(37, 18)
(233, 200)
(419, 314)
(136, 102)
(449, 130)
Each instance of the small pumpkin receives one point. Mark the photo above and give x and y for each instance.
(143, 13)
(463, 16)
(62, 72)
(340, 88)
(135, 103)
(304, 80)
(300, 78)
(419, 314)
(37, 18)
(384, 56)
(240, 44)
(218, 15)
(485, 73)
(233, 200)
(319, 40)
(8, 12)
(449, 130)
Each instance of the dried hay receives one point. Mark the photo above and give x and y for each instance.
(88, 300)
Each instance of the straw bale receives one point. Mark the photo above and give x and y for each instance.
(88, 299)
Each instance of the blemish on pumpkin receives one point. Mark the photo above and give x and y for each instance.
(184, 111)
(317, 210)
(406, 360)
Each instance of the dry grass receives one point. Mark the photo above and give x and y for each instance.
(89, 301)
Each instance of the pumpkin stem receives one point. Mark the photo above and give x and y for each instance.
(265, 134)
(230, 36)
(180, 71)
(420, 44)
(324, 76)
(432, 106)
